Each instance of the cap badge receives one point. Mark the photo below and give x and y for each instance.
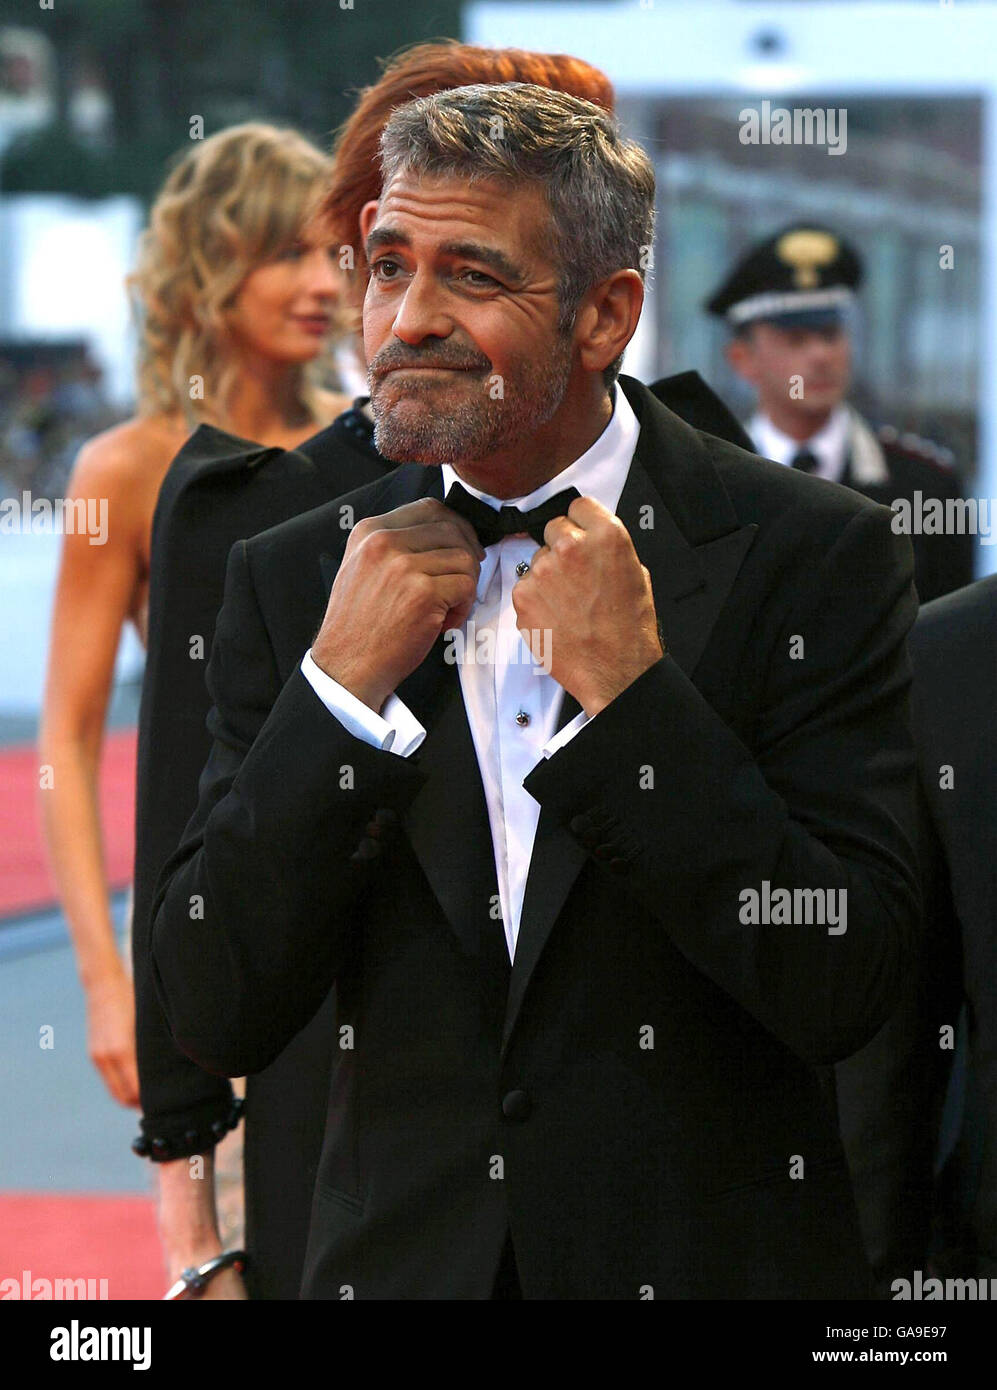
(807, 252)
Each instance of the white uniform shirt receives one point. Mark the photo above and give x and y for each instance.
(829, 445)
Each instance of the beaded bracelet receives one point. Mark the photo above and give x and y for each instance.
(194, 1141)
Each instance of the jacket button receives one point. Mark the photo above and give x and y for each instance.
(604, 853)
(383, 820)
(620, 866)
(516, 1105)
(581, 828)
(365, 850)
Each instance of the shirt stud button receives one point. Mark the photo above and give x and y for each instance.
(522, 568)
(522, 719)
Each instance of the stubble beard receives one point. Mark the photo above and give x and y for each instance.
(476, 427)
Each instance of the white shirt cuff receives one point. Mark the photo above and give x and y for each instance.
(565, 735)
(394, 730)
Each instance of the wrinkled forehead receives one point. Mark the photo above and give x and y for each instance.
(511, 215)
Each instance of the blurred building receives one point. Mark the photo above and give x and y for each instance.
(27, 82)
(917, 175)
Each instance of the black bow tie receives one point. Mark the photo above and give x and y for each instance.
(493, 526)
(805, 460)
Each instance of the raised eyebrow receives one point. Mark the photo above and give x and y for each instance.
(487, 255)
(385, 236)
(470, 250)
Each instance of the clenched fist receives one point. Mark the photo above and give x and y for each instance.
(406, 577)
(588, 589)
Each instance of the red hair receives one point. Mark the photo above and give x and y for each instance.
(418, 72)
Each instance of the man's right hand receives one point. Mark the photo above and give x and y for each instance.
(406, 577)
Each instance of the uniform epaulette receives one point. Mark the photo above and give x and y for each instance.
(909, 443)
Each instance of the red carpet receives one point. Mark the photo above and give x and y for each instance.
(25, 879)
(81, 1237)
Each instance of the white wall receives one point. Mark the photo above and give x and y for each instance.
(63, 262)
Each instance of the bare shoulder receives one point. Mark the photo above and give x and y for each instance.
(125, 465)
(128, 455)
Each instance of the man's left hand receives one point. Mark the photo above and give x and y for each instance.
(588, 589)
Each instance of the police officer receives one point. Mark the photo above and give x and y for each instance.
(787, 305)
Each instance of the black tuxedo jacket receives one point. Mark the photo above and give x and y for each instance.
(953, 647)
(892, 1092)
(218, 490)
(635, 1101)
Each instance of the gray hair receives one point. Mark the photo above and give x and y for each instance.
(599, 187)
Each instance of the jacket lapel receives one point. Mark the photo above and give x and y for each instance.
(447, 821)
(406, 483)
(692, 568)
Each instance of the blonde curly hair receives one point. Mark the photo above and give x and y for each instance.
(236, 200)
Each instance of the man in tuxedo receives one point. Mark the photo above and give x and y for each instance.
(218, 490)
(517, 746)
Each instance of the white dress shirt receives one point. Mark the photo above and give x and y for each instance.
(829, 445)
(499, 677)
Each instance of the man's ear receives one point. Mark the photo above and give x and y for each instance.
(607, 319)
(367, 215)
(740, 354)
